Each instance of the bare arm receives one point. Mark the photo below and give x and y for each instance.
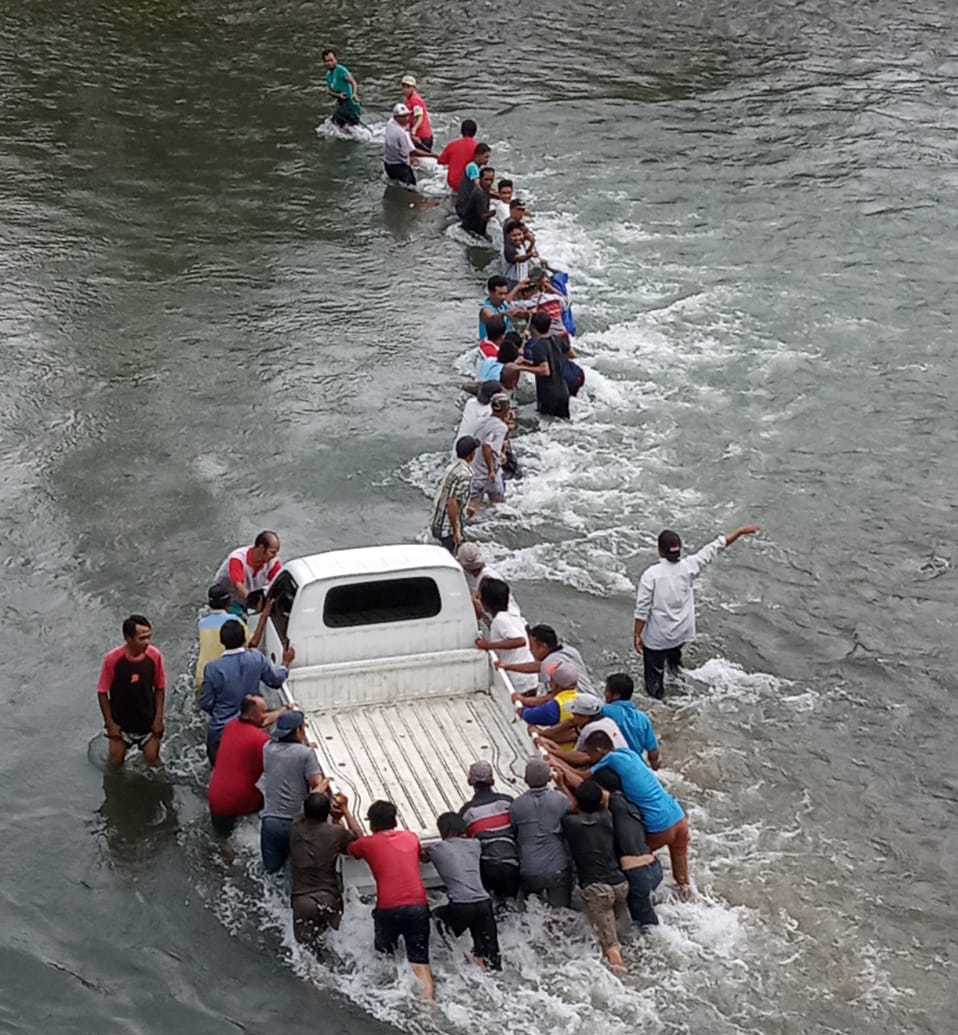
(112, 728)
(452, 508)
(512, 644)
(655, 760)
(352, 82)
(319, 784)
(639, 626)
(158, 727)
(559, 733)
(573, 776)
(518, 666)
(490, 459)
(739, 532)
(254, 640)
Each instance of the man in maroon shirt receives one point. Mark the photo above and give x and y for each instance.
(131, 692)
(401, 906)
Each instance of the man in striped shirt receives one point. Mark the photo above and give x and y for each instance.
(487, 819)
(450, 506)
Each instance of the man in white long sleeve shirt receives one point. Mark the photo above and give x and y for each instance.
(665, 604)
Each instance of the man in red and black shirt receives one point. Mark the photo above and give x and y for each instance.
(131, 692)
(249, 568)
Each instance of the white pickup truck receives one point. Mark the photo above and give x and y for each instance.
(398, 698)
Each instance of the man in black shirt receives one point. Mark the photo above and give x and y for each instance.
(589, 833)
(548, 359)
(477, 210)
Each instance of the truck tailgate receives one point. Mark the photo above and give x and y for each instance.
(417, 753)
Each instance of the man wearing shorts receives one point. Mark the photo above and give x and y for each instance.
(402, 910)
(131, 692)
(487, 463)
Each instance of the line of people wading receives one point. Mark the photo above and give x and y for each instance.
(594, 813)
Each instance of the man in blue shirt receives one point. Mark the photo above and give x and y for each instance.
(635, 725)
(228, 679)
(664, 819)
(345, 89)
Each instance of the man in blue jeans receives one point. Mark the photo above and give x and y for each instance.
(291, 772)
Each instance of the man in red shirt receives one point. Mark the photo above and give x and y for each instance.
(239, 764)
(457, 154)
(419, 128)
(401, 906)
(131, 692)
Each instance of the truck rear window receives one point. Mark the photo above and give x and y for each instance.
(388, 600)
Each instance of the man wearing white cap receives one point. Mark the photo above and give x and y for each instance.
(398, 148)
(419, 127)
(585, 717)
(475, 569)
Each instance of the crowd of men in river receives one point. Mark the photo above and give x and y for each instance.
(607, 813)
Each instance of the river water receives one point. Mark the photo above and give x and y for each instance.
(215, 318)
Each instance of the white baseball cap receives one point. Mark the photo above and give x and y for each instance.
(400, 109)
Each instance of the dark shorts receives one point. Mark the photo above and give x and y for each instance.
(479, 920)
(500, 878)
(411, 923)
(400, 172)
(222, 825)
(426, 143)
(314, 915)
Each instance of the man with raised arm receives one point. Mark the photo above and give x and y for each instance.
(665, 604)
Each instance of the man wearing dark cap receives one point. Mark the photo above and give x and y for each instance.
(291, 772)
(545, 868)
(665, 604)
(486, 816)
(450, 504)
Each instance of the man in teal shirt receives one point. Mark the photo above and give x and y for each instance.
(344, 88)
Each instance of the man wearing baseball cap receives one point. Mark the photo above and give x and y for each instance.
(486, 816)
(585, 717)
(399, 150)
(450, 504)
(553, 709)
(665, 604)
(545, 868)
(419, 127)
(487, 463)
(291, 772)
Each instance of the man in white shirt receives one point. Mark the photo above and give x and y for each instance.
(398, 148)
(665, 604)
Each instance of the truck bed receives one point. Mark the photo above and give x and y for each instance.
(416, 753)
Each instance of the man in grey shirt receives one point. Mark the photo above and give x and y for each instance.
(398, 148)
(291, 772)
(456, 858)
(544, 865)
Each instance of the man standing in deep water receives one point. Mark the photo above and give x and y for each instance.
(131, 692)
(345, 89)
(665, 604)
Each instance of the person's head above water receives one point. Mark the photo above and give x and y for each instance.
(218, 598)
(670, 545)
(232, 635)
(542, 640)
(486, 178)
(495, 329)
(450, 824)
(494, 594)
(408, 85)
(505, 191)
(468, 128)
(137, 632)
(619, 687)
(265, 547)
(516, 234)
(381, 816)
(600, 743)
(541, 323)
(329, 59)
(482, 155)
(498, 288)
(317, 807)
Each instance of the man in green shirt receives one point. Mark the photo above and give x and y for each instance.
(345, 89)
